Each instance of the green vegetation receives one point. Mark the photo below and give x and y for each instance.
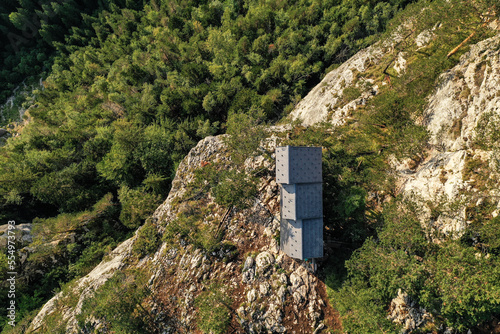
(33, 32)
(65, 247)
(194, 224)
(456, 280)
(118, 303)
(135, 88)
(214, 309)
(226, 181)
(131, 86)
(137, 205)
(148, 240)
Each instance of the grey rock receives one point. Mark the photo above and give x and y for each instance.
(319, 328)
(300, 294)
(251, 295)
(283, 279)
(264, 288)
(463, 96)
(318, 103)
(264, 261)
(424, 38)
(296, 280)
(281, 294)
(248, 274)
(249, 263)
(404, 311)
(298, 297)
(400, 63)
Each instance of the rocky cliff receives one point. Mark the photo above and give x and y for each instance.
(461, 117)
(270, 292)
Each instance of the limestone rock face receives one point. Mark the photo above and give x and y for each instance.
(465, 93)
(263, 262)
(87, 285)
(404, 311)
(328, 101)
(323, 101)
(466, 101)
(268, 290)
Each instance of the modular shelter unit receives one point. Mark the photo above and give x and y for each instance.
(298, 164)
(299, 172)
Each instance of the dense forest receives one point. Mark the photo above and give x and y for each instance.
(129, 87)
(127, 81)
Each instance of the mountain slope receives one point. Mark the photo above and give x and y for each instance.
(431, 249)
(268, 290)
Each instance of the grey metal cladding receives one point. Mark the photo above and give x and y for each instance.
(298, 170)
(305, 164)
(302, 239)
(291, 237)
(282, 160)
(312, 238)
(309, 200)
(289, 202)
(302, 201)
(298, 165)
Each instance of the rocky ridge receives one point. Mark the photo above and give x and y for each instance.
(262, 281)
(270, 292)
(467, 97)
(273, 293)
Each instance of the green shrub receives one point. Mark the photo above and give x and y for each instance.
(245, 136)
(4, 265)
(119, 304)
(402, 228)
(189, 226)
(463, 286)
(489, 234)
(235, 188)
(457, 282)
(90, 257)
(386, 270)
(360, 309)
(214, 309)
(137, 205)
(148, 240)
(229, 187)
(486, 134)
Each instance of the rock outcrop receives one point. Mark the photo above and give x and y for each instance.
(467, 98)
(464, 109)
(325, 102)
(349, 86)
(86, 287)
(404, 311)
(269, 291)
(260, 279)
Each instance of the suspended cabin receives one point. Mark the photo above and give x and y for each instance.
(299, 173)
